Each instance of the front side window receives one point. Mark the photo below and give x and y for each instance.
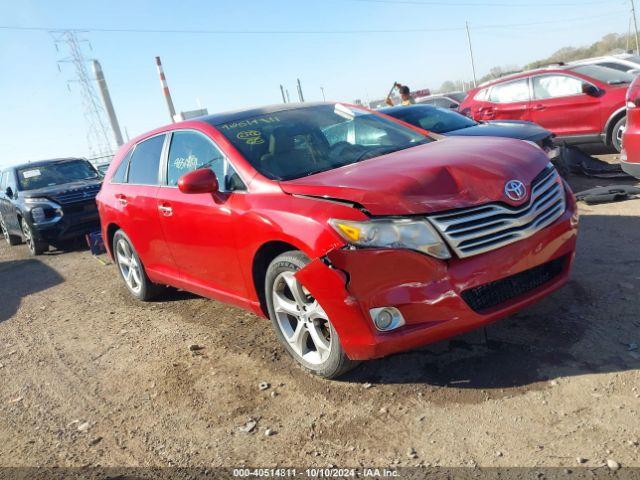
(55, 173)
(298, 142)
(552, 86)
(145, 161)
(190, 151)
(511, 92)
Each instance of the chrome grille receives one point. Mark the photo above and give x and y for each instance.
(78, 195)
(475, 230)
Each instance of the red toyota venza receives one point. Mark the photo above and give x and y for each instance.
(357, 235)
(630, 156)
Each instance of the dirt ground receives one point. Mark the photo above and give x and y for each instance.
(89, 376)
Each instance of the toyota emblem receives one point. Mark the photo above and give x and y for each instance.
(515, 190)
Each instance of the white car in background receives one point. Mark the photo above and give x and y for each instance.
(624, 62)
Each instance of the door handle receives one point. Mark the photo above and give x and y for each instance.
(166, 210)
(122, 199)
(537, 108)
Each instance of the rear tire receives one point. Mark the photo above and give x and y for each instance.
(35, 246)
(301, 325)
(12, 240)
(616, 133)
(132, 270)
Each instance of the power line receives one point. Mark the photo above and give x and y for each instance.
(485, 4)
(299, 32)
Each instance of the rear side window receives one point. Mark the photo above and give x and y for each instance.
(511, 92)
(120, 176)
(145, 162)
(482, 95)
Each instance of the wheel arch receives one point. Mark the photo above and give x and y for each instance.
(111, 230)
(261, 261)
(613, 119)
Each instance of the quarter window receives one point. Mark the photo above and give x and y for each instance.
(190, 151)
(145, 161)
(120, 176)
(552, 86)
(511, 92)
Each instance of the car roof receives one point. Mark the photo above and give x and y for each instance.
(226, 117)
(41, 163)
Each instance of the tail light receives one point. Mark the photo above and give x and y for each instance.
(633, 94)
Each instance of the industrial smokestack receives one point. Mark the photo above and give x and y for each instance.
(106, 100)
(165, 90)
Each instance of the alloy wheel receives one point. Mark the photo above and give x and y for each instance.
(28, 237)
(619, 134)
(301, 319)
(129, 266)
(5, 232)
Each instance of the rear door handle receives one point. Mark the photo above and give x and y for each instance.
(166, 210)
(538, 107)
(122, 199)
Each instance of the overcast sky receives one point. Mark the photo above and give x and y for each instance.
(416, 42)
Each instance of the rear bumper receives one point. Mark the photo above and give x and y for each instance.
(429, 292)
(631, 168)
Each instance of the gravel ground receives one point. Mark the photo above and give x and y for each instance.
(91, 377)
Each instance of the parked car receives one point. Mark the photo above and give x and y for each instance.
(356, 234)
(48, 202)
(630, 157)
(579, 104)
(451, 100)
(624, 62)
(445, 122)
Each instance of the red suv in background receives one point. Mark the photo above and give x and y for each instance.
(630, 158)
(356, 234)
(579, 104)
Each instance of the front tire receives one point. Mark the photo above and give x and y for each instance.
(132, 270)
(616, 134)
(300, 322)
(11, 240)
(35, 246)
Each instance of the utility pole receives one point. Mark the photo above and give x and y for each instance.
(324, 99)
(473, 65)
(635, 26)
(106, 100)
(165, 90)
(288, 97)
(300, 96)
(284, 99)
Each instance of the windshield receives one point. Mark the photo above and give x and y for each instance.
(295, 143)
(58, 173)
(457, 96)
(434, 119)
(604, 74)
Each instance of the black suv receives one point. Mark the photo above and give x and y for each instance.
(45, 203)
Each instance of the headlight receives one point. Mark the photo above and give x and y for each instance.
(406, 233)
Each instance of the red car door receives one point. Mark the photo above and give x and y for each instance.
(560, 105)
(198, 227)
(135, 198)
(507, 101)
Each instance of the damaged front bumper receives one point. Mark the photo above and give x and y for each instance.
(438, 299)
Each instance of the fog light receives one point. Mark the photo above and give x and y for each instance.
(386, 318)
(38, 214)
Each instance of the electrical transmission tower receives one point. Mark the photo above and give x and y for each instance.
(69, 43)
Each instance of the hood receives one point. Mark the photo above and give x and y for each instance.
(66, 188)
(443, 175)
(518, 129)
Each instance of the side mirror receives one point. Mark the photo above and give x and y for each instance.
(590, 90)
(453, 106)
(8, 192)
(202, 180)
